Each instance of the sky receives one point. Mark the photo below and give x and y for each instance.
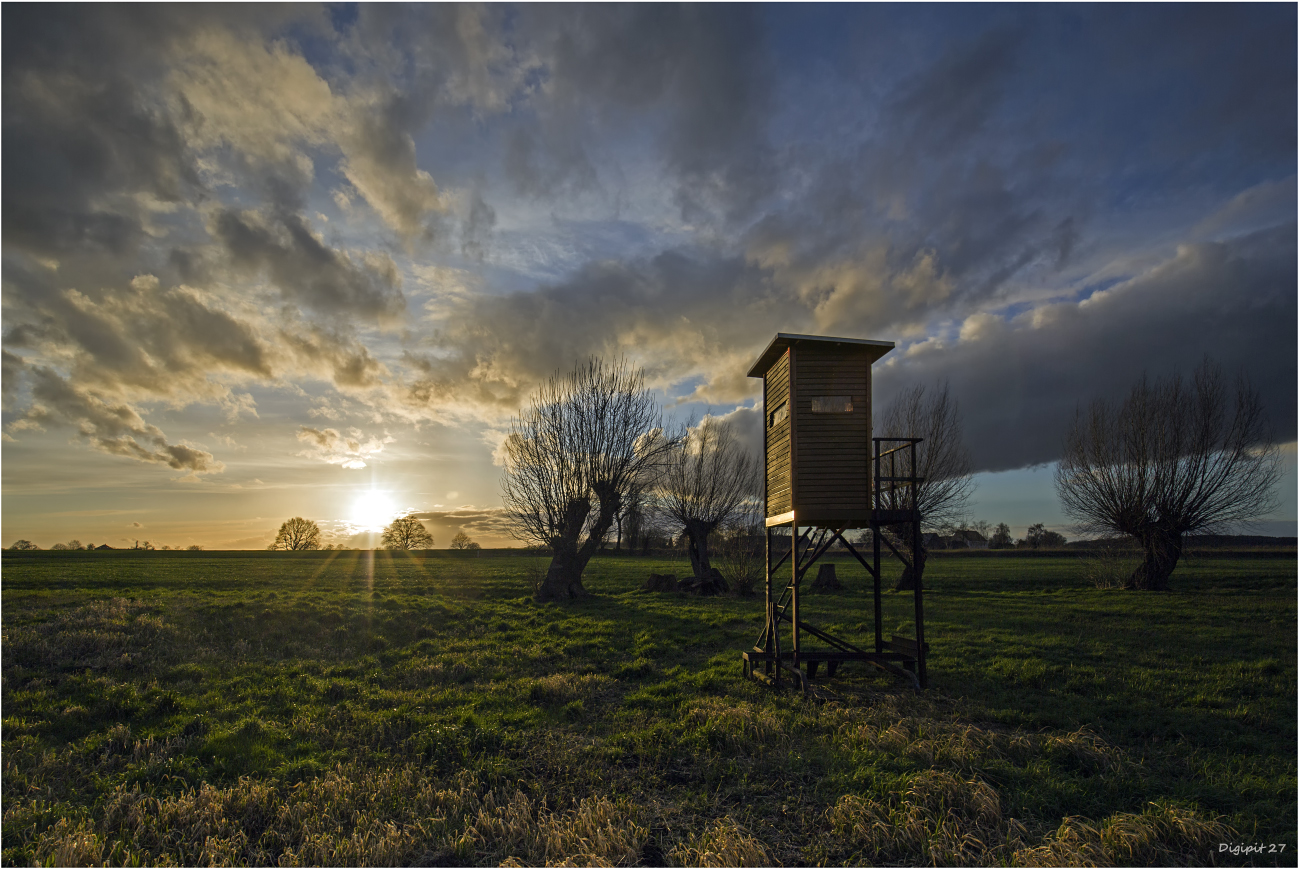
(272, 261)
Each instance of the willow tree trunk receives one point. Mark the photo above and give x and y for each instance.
(1162, 550)
(913, 574)
(563, 579)
(697, 535)
(569, 558)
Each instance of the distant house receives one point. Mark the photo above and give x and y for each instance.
(103, 546)
(957, 540)
(968, 540)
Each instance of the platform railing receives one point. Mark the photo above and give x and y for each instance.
(895, 488)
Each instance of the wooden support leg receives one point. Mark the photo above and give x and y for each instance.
(794, 593)
(812, 670)
(831, 667)
(920, 610)
(875, 559)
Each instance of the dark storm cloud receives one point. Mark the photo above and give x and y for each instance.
(921, 170)
(1212, 78)
(951, 101)
(1019, 383)
(305, 269)
(702, 67)
(70, 144)
(85, 126)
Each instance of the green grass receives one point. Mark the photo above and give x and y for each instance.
(347, 709)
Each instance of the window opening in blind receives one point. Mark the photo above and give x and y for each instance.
(833, 404)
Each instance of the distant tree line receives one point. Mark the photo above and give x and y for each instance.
(403, 533)
(77, 545)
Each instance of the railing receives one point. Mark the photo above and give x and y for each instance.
(900, 493)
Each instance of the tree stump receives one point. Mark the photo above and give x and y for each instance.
(826, 580)
(660, 582)
(711, 583)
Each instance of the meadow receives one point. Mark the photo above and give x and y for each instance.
(356, 708)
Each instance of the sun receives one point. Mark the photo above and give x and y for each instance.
(372, 510)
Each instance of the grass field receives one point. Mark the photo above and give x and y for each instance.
(350, 708)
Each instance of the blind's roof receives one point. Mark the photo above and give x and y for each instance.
(775, 350)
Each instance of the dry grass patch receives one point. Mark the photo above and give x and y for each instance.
(597, 832)
(943, 820)
(105, 634)
(562, 688)
(917, 728)
(349, 817)
(736, 725)
(722, 843)
(1162, 835)
(940, 818)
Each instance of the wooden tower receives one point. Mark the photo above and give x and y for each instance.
(824, 473)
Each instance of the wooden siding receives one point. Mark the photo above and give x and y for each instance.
(833, 450)
(776, 385)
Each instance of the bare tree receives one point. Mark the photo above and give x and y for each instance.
(406, 532)
(295, 534)
(630, 520)
(462, 541)
(588, 438)
(942, 460)
(707, 481)
(740, 550)
(1171, 459)
(24, 545)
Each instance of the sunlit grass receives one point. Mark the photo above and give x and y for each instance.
(388, 708)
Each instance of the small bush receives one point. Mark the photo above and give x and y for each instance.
(1110, 564)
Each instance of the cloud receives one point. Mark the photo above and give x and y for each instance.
(262, 99)
(10, 374)
(307, 270)
(489, 352)
(702, 70)
(350, 450)
(332, 354)
(485, 521)
(77, 138)
(380, 163)
(747, 427)
(270, 105)
(116, 429)
(1263, 205)
(673, 184)
(1020, 380)
(138, 339)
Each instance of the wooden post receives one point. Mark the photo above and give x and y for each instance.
(875, 556)
(769, 641)
(794, 588)
(917, 578)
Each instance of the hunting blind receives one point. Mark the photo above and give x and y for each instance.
(824, 473)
